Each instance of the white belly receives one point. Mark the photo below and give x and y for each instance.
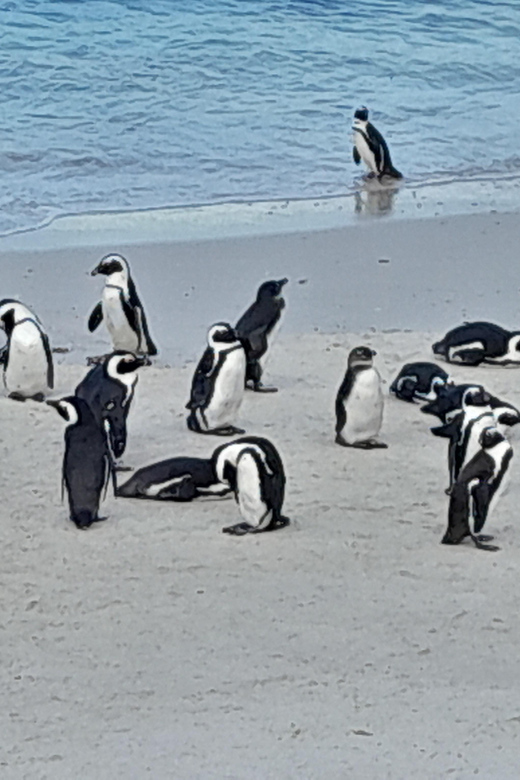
(365, 153)
(26, 370)
(122, 335)
(252, 508)
(364, 408)
(228, 391)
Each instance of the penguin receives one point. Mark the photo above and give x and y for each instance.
(175, 479)
(479, 342)
(359, 402)
(476, 488)
(256, 329)
(464, 431)
(371, 147)
(121, 308)
(218, 384)
(451, 400)
(87, 464)
(420, 381)
(27, 357)
(109, 388)
(253, 469)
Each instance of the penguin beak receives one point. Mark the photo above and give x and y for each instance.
(94, 272)
(283, 281)
(144, 360)
(373, 352)
(54, 404)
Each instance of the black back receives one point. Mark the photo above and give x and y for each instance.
(415, 379)
(197, 473)
(493, 337)
(258, 321)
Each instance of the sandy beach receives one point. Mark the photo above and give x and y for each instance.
(351, 644)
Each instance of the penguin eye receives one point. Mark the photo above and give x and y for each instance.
(109, 406)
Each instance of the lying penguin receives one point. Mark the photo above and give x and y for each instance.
(217, 388)
(371, 147)
(87, 463)
(359, 402)
(477, 487)
(479, 342)
(27, 357)
(109, 388)
(256, 330)
(175, 479)
(451, 399)
(419, 381)
(121, 308)
(253, 469)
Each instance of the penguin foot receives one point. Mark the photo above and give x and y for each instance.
(484, 537)
(369, 444)
(260, 388)
(479, 543)
(122, 467)
(17, 397)
(229, 430)
(240, 529)
(39, 397)
(280, 522)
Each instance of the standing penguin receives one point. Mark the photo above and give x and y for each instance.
(121, 308)
(87, 464)
(253, 468)
(256, 329)
(476, 487)
(359, 402)
(108, 388)
(217, 387)
(27, 357)
(371, 147)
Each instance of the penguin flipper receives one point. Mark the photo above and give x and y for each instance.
(470, 357)
(50, 363)
(151, 349)
(356, 155)
(200, 383)
(95, 318)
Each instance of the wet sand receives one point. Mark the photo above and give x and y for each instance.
(349, 645)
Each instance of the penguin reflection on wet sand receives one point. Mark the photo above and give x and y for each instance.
(109, 388)
(476, 488)
(217, 388)
(371, 147)
(121, 308)
(87, 463)
(359, 403)
(256, 329)
(253, 469)
(27, 358)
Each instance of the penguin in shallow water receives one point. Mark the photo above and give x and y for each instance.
(87, 464)
(175, 479)
(421, 381)
(479, 342)
(109, 388)
(371, 147)
(217, 387)
(253, 469)
(359, 402)
(121, 308)
(27, 357)
(477, 487)
(256, 329)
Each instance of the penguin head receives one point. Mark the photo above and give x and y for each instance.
(271, 289)
(111, 264)
(361, 114)
(475, 396)
(11, 312)
(514, 343)
(490, 437)
(221, 334)
(72, 409)
(121, 362)
(361, 356)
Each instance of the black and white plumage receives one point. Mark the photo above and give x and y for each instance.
(479, 342)
(87, 463)
(256, 329)
(121, 308)
(419, 381)
(108, 388)
(175, 479)
(218, 384)
(371, 147)
(451, 399)
(464, 430)
(477, 487)
(27, 358)
(253, 469)
(359, 402)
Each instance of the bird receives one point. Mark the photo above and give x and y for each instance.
(371, 147)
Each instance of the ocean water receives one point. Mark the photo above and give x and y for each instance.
(133, 105)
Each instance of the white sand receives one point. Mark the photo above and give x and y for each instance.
(349, 645)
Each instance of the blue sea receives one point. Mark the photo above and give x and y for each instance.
(133, 105)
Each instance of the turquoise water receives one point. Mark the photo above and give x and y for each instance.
(134, 105)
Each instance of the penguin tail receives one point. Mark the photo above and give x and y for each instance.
(392, 172)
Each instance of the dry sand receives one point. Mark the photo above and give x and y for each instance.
(349, 645)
